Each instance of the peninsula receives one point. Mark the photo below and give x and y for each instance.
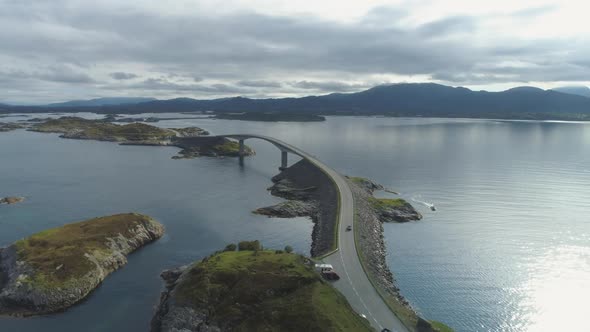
(52, 270)
(252, 290)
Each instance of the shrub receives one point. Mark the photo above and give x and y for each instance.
(249, 245)
(288, 249)
(230, 247)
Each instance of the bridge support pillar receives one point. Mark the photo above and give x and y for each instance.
(284, 162)
(241, 153)
(241, 147)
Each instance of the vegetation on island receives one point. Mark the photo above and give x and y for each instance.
(209, 146)
(193, 141)
(388, 203)
(54, 269)
(60, 256)
(260, 290)
(74, 127)
(271, 116)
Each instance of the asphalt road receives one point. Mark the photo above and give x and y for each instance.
(354, 283)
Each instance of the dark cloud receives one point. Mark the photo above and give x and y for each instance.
(260, 84)
(163, 84)
(329, 86)
(123, 76)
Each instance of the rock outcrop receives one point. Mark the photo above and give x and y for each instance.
(310, 192)
(55, 269)
(11, 200)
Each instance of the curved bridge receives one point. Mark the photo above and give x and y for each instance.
(284, 147)
(354, 283)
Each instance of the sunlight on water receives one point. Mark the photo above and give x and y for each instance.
(558, 290)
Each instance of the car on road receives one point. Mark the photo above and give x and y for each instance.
(386, 330)
(348, 228)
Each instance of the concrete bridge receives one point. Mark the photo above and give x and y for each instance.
(354, 283)
(282, 146)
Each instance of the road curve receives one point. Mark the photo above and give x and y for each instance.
(354, 284)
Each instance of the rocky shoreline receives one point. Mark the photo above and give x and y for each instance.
(309, 193)
(55, 269)
(371, 243)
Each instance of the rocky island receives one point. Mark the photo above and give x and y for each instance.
(10, 126)
(57, 268)
(193, 141)
(252, 290)
(11, 200)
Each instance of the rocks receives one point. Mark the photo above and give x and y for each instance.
(11, 200)
(371, 213)
(55, 269)
(4, 127)
(310, 192)
(289, 209)
(394, 210)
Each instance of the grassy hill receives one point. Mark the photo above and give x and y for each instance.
(260, 291)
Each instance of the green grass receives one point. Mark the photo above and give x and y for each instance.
(57, 255)
(387, 203)
(266, 291)
(441, 327)
(228, 147)
(358, 180)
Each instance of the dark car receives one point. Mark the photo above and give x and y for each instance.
(348, 228)
(386, 330)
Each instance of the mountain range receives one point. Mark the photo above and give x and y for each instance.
(575, 90)
(415, 99)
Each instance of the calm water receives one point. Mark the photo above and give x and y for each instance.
(508, 248)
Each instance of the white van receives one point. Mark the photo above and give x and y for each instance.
(323, 267)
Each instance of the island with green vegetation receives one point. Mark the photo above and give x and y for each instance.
(212, 146)
(271, 116)
(252, 290)
(193, 141)
(52, 270)
(79, 128)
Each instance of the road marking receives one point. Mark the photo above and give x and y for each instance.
(357, 294)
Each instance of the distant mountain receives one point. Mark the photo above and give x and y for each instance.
(102, 102)
(419, 99)
(575, 90)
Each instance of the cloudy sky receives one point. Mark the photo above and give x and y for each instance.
(64, 49)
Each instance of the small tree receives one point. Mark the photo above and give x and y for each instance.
(249, 245)
(230, 247)
(288, 249)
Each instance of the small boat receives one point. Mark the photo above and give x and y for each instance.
(432, 208)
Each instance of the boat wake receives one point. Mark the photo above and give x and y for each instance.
(418, 199)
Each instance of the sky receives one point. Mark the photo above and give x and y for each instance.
(61, 50)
